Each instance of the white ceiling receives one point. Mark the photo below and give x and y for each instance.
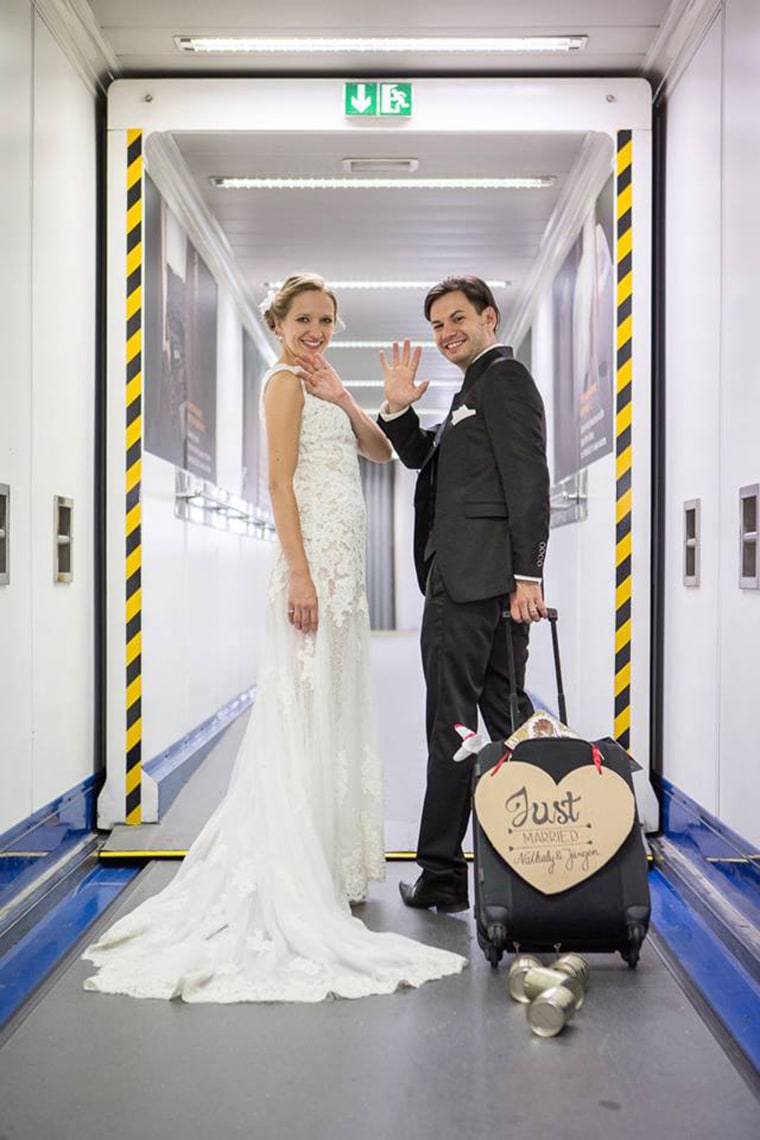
(141, 33)
(420, 235)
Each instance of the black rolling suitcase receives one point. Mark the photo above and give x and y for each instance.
(607, 912)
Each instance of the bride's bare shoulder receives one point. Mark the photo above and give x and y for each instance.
(282, 385)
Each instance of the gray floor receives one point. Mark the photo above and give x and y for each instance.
(453, 1059)
(191, 808)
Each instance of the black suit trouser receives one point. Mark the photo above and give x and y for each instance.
(464, 657)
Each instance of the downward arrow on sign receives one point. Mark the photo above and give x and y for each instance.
(361, 100)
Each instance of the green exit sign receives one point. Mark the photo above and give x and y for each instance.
(371, 99)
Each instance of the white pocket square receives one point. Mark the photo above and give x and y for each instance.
(461, 413)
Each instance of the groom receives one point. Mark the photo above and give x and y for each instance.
(481, 529)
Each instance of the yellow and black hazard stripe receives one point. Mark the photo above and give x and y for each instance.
(133, 445)
(623, 423)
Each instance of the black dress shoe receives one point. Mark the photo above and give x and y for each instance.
(424, 895)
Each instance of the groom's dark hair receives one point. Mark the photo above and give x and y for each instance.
(475, 290)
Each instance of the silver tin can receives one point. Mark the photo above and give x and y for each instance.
(518, 968)
(550, 1012)
(575, 965)
(541, 978)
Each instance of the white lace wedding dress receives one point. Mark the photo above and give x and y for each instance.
(259, 909)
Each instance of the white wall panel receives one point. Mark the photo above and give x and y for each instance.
(739, 610)
(203, 614)
(579, 580)
(63, 379)
(203, 595)
(562, 550)
(167, 631)
(229, 461)
(202, 562)
(242, 583)
(229, 396)
(229, 640)
(47, 325)
(203, 610)
(692, 421)
(594, 664)
(641, 561)
(16, 404)
(712, 633)
(255, 561)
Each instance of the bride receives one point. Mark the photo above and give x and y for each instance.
(259, 910)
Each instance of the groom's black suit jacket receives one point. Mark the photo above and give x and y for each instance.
(482, 496)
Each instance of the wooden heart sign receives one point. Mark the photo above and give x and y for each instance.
(554, 835)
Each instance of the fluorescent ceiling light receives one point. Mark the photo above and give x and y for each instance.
(340, 343)
(333, 44)
(439, 413)
(539, 182)
(379, 383)
(385, 285)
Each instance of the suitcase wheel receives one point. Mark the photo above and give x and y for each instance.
(497, 943)
(492, 941)
(632, 951)
(493, 956)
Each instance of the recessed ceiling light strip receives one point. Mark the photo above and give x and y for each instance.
(537, 182)
(384, 284)
(438, 413)
(340, 343)
(330, 45)
(379, 383)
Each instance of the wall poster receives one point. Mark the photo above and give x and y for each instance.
(584, 345)
(180, 344)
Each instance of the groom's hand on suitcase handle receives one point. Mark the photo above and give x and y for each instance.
(526, 602)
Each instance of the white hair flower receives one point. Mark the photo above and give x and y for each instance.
(268, 301)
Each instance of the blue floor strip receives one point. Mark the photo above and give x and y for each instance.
(50, 834)
(32, 958)
(728, 861)
(724, 984)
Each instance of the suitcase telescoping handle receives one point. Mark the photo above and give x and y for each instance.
(553, 618)
(514, 710)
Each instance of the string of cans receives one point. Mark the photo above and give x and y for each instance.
(552, 993)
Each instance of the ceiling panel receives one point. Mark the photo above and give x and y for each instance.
(419, 235)
(141, 34)
(434, 17)
(265, 152)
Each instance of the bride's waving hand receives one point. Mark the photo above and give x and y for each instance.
(323, 381)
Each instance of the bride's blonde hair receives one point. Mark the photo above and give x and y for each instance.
(277, 304)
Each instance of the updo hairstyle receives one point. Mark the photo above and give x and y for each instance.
(278, 304)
